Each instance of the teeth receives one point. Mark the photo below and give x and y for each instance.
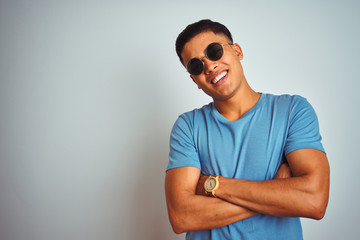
(220, 76)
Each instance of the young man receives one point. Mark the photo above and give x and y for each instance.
(247, 165)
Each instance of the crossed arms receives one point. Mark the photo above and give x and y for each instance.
(304, 193)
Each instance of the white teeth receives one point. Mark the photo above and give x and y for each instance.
(218, 77)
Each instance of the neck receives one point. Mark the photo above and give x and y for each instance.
(236, 106)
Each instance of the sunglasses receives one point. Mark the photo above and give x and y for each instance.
(214, 51)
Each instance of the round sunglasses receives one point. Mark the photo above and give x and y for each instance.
(214, 51)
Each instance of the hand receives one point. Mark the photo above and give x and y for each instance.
(200, 186)
(283, 172)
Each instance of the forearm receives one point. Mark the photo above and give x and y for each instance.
(194, 212)
(303, 195)
(280, 197)
(190, 212)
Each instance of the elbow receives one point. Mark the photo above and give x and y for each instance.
(318, 199)
(319, 212)
(318, 208)
(182, 222)
(177, 230)
(179, 220)
(178, 224)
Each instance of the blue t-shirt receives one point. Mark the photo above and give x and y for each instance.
(250, 148)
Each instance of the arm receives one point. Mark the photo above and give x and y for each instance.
(190, 212)
(304, 195)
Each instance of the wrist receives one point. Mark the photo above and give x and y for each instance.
(223, 192)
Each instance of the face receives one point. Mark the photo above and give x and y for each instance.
(220, 79)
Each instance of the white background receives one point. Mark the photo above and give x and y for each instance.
(89, 92)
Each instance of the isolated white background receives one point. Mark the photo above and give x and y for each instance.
(89, 91)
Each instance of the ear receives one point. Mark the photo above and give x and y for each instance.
(238, 51)
(192, 77)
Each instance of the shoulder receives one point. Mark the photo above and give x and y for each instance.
(191, 116)
(283, 98)
(188, 121)
(286, 101)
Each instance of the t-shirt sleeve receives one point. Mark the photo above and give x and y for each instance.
(183, 152)
(303, 127)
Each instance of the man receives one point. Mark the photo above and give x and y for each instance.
(247, 165)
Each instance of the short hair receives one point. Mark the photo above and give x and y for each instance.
(196, 28)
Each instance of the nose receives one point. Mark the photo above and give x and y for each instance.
(209, 66)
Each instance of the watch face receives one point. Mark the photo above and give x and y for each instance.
(210, 184)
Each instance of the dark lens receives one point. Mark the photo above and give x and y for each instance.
(214, 51)
(195, 66)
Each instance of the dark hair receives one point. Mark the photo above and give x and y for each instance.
(196, 28)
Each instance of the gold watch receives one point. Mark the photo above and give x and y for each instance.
(211, 185)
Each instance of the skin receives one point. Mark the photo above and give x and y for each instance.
(190, 210)
(232, 96)
(300, 189)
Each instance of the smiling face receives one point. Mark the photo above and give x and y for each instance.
(220, 79)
